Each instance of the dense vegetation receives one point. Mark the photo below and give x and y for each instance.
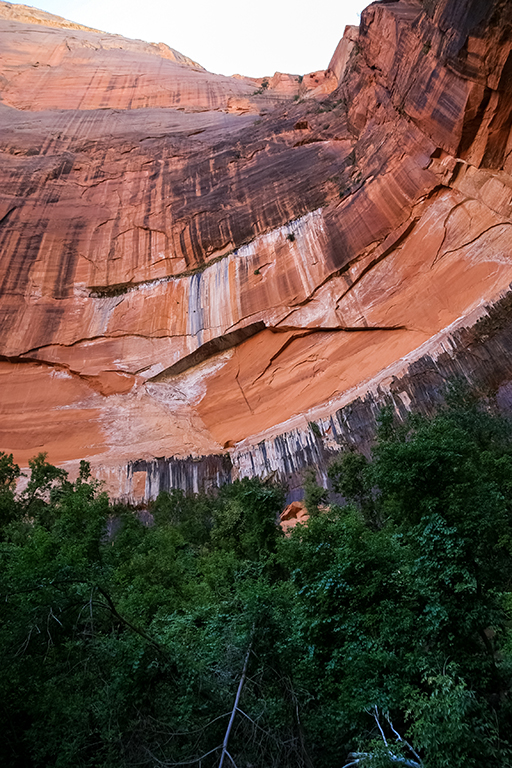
(379, 634)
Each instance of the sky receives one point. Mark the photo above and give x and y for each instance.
(225, 36)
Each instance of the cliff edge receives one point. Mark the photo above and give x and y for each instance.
(194, 265)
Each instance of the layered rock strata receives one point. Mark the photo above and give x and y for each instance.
(194, 265)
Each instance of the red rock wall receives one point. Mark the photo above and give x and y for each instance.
(190, 263)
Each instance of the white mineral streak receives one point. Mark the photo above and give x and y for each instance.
(188, 387)
(215, 300)
(116, 478)
(103, 309)
(281, 267)
(286, 454)
(154, 480)
(285, 449)
(215, 297)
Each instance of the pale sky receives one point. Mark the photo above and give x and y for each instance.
(225, 36)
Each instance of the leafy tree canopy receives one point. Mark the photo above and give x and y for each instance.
(378, 634)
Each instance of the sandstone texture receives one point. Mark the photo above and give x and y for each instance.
(293, 513)
(193, 265)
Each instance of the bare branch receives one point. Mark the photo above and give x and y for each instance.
(54, 617)
(376, 718)
(267, 733)
(393, 758)
(172, 734)
(235, 708)
(110, 605)
(418, 758)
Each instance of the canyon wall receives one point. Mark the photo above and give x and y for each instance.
(195, 269)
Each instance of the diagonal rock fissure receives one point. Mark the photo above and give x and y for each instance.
(6, 216)
(280, 351)
(210, 349)
(445, 225)
(242, 390)
(299, 333)
(62, 367)
(390, 249)
(460, 247)
(113, 337)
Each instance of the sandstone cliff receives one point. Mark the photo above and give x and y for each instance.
(194, 265)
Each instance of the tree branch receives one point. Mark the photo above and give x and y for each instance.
(113, 610)
(234, 710)
(377, 720)
(418, 758)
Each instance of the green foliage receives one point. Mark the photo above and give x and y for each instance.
(312, 424)
(350, 477)
(245, 521)
(9, 473)
(314, 494)
(379, 634)
(453, 728)
(192, 516)
(440, 489)
(44, 479)
(263, 87)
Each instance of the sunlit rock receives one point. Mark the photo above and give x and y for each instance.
(195, 265)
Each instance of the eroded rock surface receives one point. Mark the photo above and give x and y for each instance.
(193, 264)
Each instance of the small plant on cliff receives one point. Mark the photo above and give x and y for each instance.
(314, 426)
(263, 87)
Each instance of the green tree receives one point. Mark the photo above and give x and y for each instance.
(9, 473)
(440, 488)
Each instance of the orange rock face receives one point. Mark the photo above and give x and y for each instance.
(292, 514)
(193, 264)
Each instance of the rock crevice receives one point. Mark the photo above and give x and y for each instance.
(192, 264)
